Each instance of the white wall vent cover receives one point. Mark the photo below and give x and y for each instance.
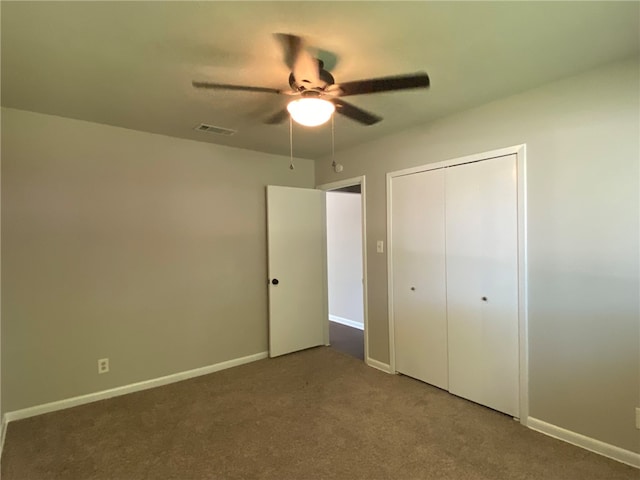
(203, 127)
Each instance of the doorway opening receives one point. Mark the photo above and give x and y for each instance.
(346, 267)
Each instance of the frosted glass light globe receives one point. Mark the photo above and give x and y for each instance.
(311, 112)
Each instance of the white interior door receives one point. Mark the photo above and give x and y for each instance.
(482, 282)
(419, 289)
(296, 224)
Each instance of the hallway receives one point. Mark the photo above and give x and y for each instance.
(347, 340)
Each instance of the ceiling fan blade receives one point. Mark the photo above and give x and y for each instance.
(305, 68)
(226, 86)
(278, 117)
(384, 84)
(291, 44)
(355, 113)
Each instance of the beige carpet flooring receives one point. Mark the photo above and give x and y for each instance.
(317, 414)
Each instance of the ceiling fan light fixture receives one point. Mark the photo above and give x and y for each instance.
(311, 112)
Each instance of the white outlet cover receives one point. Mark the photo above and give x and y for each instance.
(103, 365)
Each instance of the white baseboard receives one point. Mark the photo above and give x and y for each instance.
(134, 387)
(347, 322)
(3, 433)
(378, 365)
(588, 443)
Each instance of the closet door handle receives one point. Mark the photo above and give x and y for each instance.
(413, 289)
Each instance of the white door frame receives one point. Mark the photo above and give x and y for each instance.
(350, 182)
(521, 185)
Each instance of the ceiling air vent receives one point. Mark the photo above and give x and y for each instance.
(203, 127)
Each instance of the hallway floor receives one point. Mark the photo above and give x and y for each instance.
(346, 339)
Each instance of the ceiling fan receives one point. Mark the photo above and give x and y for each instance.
(316, 87)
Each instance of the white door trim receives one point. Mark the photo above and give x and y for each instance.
(349, 182)
(520, 152)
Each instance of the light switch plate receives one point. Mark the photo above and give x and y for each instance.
(380, 246)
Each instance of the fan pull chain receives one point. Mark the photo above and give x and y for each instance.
(291, 166)
(336, 166)
(333, 144)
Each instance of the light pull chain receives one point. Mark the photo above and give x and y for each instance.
(291, 166)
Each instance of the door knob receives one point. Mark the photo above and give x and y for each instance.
(484, 299)
(275, 281)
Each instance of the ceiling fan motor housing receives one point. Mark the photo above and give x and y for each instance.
(324, 77)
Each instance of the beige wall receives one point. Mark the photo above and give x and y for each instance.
(582, 137)
(145, 249)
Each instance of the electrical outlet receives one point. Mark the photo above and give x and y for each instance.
(638, 418)
(103, 365)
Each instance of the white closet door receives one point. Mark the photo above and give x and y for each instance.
(419, 293)
(482, 282)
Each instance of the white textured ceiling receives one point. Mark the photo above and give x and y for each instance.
(131, 64)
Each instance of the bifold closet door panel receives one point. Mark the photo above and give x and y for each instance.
(482, 282)
(419, 291)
